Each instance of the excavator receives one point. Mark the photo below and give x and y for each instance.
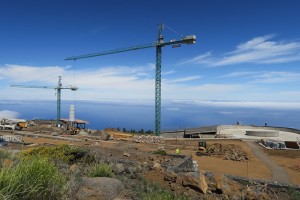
(202, 151)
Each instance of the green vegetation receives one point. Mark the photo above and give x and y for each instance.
(31, 179)
(295, 194)
(243, 182)
(60, 152)
(124, 130)
(6, 155)
(149, 191)
(101, 170)
(160, 152)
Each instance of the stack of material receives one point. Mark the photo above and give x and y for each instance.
(11, 138)
(273, 144)
(229, 151)
(148, 139)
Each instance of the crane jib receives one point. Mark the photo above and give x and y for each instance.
(191, 39)
(111, 52)
(185, 40)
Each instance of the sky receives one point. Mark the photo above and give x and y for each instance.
(247, 53)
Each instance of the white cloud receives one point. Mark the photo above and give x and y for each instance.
(258, 50)
(22, 74)
(8, 114)
(107, 82)
(226, 113)
(291, 93)
(244, 104)
(104, 82)
(168, 72)
(239, 74)
(265, 76)
(201, 59)
(218, 87)
(276, 77)
(184, 79)
(119, 81)
(172, 109)
(125, 83)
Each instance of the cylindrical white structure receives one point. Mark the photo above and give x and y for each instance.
(72, 113)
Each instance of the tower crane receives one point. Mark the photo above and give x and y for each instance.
(158, 45)
(58, 88)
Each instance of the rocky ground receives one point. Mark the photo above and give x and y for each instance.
(144, 167)
(178, 174)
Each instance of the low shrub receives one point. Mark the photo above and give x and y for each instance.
(148, 191)
(4, 154)
(160, 152)
(31, 179)
(295, 194)
(101, 170)
(60, 152)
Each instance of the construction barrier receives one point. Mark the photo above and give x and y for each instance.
(11, 138)
(148, 139)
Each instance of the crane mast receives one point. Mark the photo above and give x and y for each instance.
(158, 44)
(58, 88)
(59, 85)
(160, 41)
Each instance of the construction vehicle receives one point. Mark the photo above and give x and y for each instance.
(13, 124)
(202, 151)
(74, 130)
(21, 124)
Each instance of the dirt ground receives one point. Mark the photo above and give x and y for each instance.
(289, 160)
(252, 168)
(124, 150)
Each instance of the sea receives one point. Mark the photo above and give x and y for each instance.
(139, 114)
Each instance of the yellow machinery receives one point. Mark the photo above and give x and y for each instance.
(21, 125)
(74, 131)
(13, 124)
(201, 149)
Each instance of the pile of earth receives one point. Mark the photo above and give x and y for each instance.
(229, 151)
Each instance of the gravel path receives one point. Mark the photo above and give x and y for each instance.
(278, 173)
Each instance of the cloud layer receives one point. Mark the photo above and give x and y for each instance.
(261, 50)
(8, 114)
(265, 76)
(244, 104)
(93, 83)
(249, 84)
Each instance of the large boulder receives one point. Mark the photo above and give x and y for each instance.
(156, 165)
(118, 168)
(100, 188)
(203, 184)
(190, 182)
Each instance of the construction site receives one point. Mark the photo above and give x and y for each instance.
(212, 162)
(228, 163)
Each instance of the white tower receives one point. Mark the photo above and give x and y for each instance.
(72, 113)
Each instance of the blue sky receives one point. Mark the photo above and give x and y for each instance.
(247, 53)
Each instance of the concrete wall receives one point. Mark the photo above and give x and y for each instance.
(263, 133)
(224, 127)
(172, 134)
(218, 129)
